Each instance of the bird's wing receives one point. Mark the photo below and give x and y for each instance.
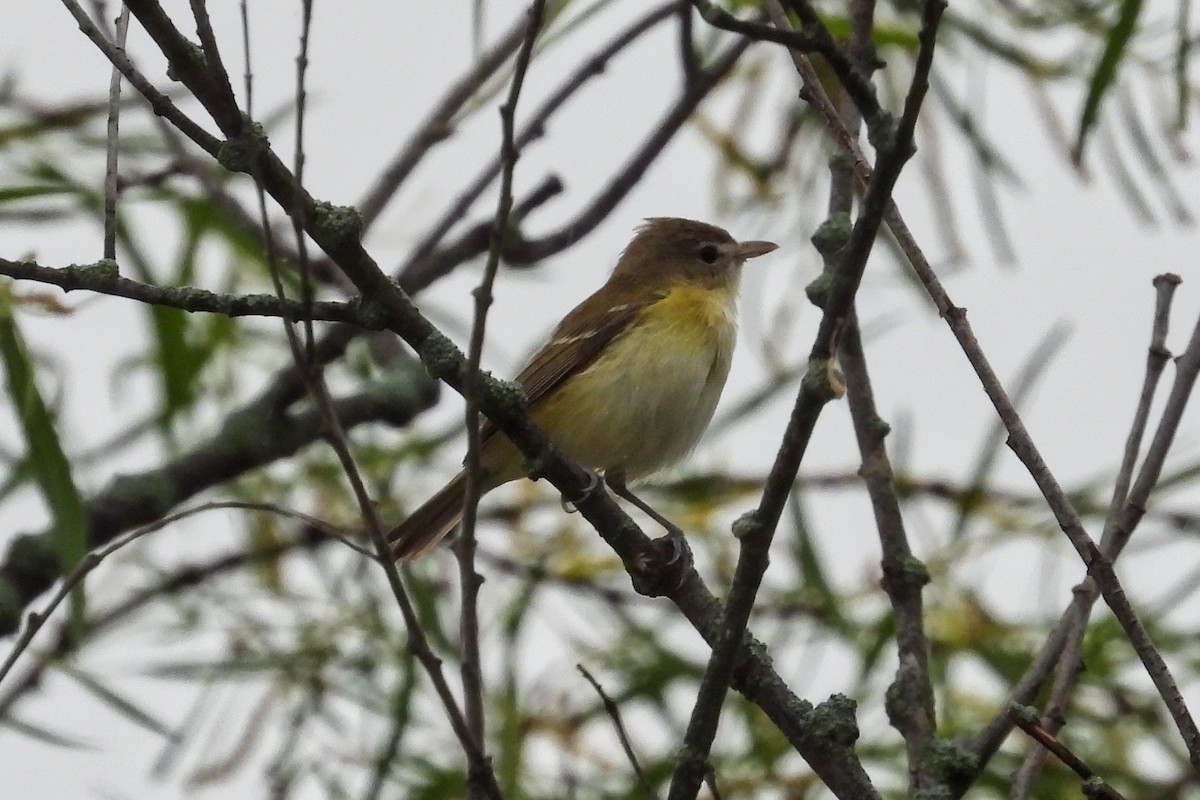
(576, 343)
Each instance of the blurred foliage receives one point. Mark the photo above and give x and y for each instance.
(1111, 70)
(307, 677)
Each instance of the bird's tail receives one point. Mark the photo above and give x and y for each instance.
(430, 523)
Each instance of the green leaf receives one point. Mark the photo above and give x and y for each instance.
(125, 707)
(10, 193)
(510, 754)
(178, 363)
(1106, 69)
(50, 467)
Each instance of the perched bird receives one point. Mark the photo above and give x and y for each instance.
(630, 378)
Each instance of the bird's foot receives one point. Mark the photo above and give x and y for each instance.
(569, 504)
(664, 565)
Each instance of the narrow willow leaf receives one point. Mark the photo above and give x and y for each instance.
(50, 467)
(9, 194)
(42, 734)
(1106, 70)
(123, 705)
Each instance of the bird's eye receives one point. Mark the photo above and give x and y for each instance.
(708, 254)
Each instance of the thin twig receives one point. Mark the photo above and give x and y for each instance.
(1052, 716)
(92, 559)
(212, 54)
(812, 36)
(255, 435)
(303, 265)
(470, 580)
(315, 533)
(718, 17)
(856, 84)
(159, 102)
(1187, 368)
(910, 697)
(1156, 360)
(105, 278)
(210, 86)
(614, 713)
(1070, 660)
(1028, 722)
(113, 148)
(687, 43)
(635, 168)
(756, 530)
(535, 126)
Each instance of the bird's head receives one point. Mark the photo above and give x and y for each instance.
(667, 250)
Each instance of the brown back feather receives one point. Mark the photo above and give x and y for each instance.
(575, 344)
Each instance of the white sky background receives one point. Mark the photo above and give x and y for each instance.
(1082, 259)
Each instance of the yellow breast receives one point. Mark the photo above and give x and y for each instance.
(652, 392)
(712, 311)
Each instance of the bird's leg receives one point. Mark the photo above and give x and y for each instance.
(615, 478)
(678, 553)
(670, 560)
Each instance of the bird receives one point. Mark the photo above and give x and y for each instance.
(629, 379)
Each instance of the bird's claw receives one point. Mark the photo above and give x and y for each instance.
(569, 505)
(664, 565)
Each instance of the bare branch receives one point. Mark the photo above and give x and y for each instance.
(757, 529)
(534, 128)
(1021, 443)
(105, 278)
(191, 65)
(614, 713)
(469, 579)
(811, 37)
(1028, 722)
(1156, 360)
(36, 619)
(314, 533)
(633, 170)
(113, 145)
(211, 53)
(159, 102)
(1070, 660)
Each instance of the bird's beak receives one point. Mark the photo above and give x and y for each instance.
(747, 250)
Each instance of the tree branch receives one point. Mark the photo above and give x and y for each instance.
(1021, 443)
(469, 579)
(757, 529)
(1070, 661)
(257, 435)
(1026, 719)
(159, 102)
(104, 277)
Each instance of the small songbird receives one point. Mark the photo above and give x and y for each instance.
(630, 378)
